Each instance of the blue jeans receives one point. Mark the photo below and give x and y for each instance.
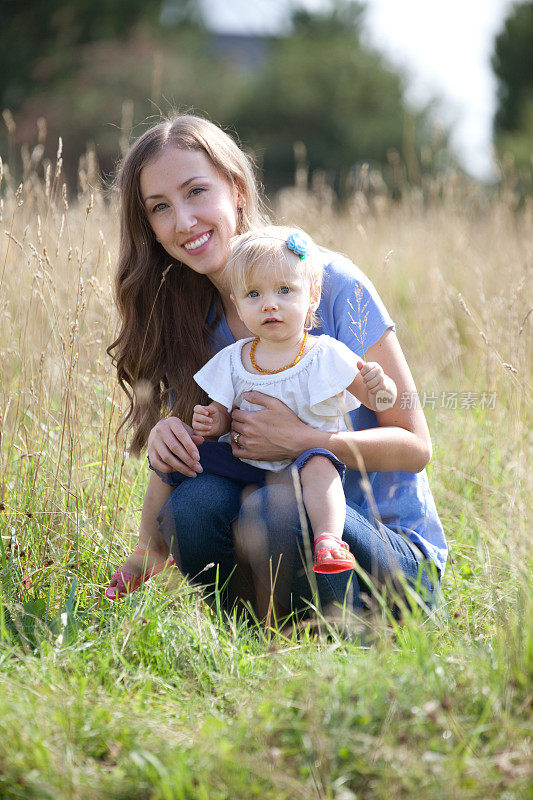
(221, 533)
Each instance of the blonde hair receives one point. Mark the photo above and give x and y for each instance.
(266, 248)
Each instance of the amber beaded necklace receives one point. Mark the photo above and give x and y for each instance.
(281, 369)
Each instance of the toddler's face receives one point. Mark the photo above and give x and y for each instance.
(275, 306)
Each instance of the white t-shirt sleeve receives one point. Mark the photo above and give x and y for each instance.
(329, 376)
(215, 378)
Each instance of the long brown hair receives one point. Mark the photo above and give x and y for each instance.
(163, 305)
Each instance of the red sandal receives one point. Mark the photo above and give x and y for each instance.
(125, 583)
(332, 565)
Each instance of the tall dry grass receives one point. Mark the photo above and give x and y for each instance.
(452, 262)
(59, 401)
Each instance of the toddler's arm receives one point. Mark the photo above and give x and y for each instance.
(211, 421)
(372, 387)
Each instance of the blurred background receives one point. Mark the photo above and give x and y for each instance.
(332, 92)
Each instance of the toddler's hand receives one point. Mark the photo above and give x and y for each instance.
(381, 389)
(203, 418)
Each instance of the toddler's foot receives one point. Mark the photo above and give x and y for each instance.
(137, 569)
(332, 554)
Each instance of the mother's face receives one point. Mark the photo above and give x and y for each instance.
(191, 208)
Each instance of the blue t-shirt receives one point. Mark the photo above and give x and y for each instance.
(351, 311)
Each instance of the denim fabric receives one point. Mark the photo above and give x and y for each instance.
(220, 534)
(300, 462)
(216, 458)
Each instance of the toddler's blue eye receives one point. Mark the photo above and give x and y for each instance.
(253, 293)
(284, 290)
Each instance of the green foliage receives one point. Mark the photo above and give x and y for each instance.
(341, 14)
(513, 67)
(39, 38)
(159, 696)
(89, 75)
(322, 88)
(126, 87)
(151, 701)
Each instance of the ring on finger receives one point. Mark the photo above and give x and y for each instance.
(236, 438)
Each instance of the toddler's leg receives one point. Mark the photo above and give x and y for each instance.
(323, 496)
(325, 504)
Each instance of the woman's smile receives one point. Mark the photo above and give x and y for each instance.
(191, 208)
(197, 244)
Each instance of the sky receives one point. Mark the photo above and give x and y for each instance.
(444, 47)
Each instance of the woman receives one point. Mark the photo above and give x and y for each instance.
(186, 190)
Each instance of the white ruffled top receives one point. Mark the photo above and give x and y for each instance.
(315, 388)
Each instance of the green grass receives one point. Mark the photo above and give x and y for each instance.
(160, 697)
(157, 698)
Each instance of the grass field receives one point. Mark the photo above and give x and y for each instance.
(157, 696)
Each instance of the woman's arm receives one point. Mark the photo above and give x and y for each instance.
(172, 445)
(401, 443)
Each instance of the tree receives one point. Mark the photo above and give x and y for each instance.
(513, 66)
(38, 38)
(321, 87)
(79, 64)
(115, 90)
(317, 85)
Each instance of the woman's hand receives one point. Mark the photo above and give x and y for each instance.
(270, 434)
(172, 447)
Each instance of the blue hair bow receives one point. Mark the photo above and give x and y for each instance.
(298, 244)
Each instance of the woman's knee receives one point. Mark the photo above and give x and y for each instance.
(196, 521)
(272, 506)
(268, 523)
